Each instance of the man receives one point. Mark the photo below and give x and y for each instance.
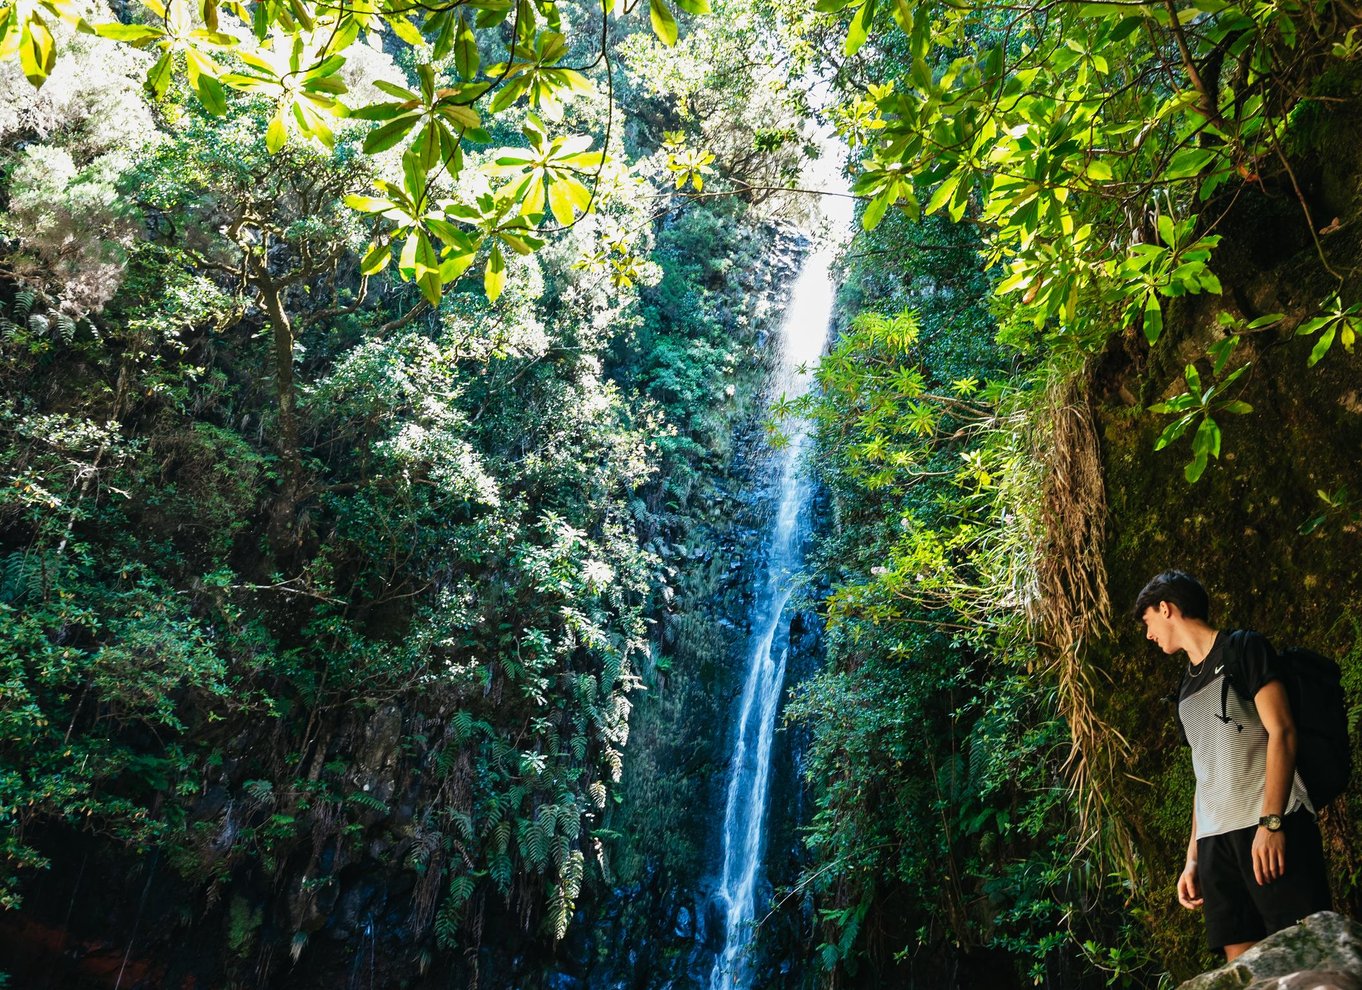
(1254, 860)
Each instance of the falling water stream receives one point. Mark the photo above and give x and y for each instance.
(803, 336)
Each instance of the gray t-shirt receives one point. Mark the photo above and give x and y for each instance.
(1230, 756)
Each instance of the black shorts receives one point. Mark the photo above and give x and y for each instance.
(1239, 909)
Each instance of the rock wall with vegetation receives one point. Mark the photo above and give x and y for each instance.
(1271, 527)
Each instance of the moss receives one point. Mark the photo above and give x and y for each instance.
(243, 922)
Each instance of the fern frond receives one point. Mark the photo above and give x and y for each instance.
(560, 912)
(501, 837)
(574, 871)
(501, 871)
(447, 926)
(547, 817)
(24, 300)
(460, 890)
(23, 577)
(569, 820)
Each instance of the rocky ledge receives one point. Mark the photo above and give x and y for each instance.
(1323, 952)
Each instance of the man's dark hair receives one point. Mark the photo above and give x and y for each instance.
(1176, 588)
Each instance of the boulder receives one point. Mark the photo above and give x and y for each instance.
(1323, 952)
(1313, 979)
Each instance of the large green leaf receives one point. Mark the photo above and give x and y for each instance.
(664, 23)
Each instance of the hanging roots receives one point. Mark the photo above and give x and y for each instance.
(1073, 607)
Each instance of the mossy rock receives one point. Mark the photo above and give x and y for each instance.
(1323, 944)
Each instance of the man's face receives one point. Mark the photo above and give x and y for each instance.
(1158, 626)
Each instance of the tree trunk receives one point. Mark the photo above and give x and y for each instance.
(290, 455)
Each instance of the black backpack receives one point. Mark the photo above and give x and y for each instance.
(1314, 687)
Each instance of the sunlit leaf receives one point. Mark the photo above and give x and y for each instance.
(859, 30)
(466, 57)
(376, 259)
(664, 24)
(494, 276)
(276, 135)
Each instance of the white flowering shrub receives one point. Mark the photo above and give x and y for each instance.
(65, 147)
(71, 227)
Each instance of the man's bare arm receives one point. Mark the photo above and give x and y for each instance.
(1269, 848)
(1189, 888)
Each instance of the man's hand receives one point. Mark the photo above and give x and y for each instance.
(1269, 856)
(1189, 891)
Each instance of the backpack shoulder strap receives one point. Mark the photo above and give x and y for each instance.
(1234, 675)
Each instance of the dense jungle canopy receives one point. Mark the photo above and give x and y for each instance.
(385, 400)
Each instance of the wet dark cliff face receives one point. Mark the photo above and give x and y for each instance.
(655, 924)
(1273, 553)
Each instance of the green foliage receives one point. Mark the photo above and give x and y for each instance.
(1198, 405)
(317, 78)
(278, 530)
(938, 746)
(1338, 321)
(1085, 139)
(295, 62)
(944, 822)
(243, 922)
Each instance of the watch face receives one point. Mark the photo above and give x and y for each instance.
(1271, 822)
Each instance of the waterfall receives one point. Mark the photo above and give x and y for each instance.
(803, 337)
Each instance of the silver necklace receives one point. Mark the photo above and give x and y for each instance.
(1194, 670)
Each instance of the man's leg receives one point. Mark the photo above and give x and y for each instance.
(1233, 952)
(1233, 923)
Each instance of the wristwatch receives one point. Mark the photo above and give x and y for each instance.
(1273, 823)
